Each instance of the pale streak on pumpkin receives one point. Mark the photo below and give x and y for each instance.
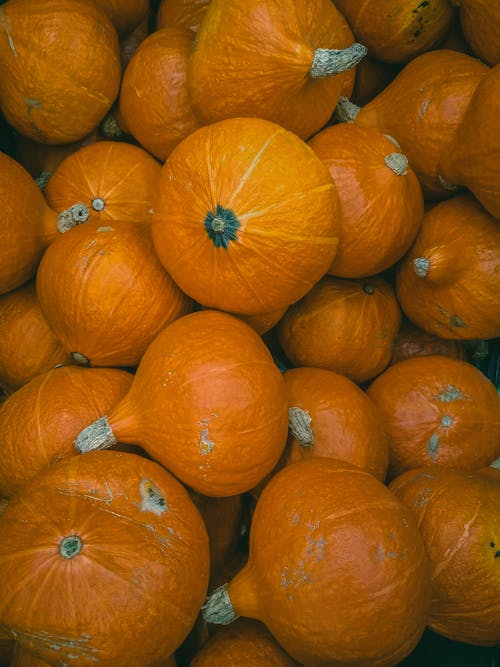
(5, 25)
(460, 543)
(56, 642)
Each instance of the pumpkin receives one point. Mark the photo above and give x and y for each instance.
(329, 415)
(28, 345)
(207, 402)
(59, 68)
(439, 412)
(125, 15)
(457, 514)
(285, 61)
(154, 103)
(411, 341)
(422, 109)
(181, 14)
(335, 560)
(447, 283)
(346, 326)
(247, 216)
(112, 532)
(472, 158)
(244, 643)
(112, 179)
(480, 22)
(396, 31)
(105, 294)
(381, 199)
(40, 420)
(23, 658)
(372, 76)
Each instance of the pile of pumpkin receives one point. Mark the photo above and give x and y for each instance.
(248, 251)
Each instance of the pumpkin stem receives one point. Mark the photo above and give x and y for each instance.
(98, 204)
(397, 162)
(346, 111)
(111, 128)
(495, 464)
(450, 187)
(70, 546)
(327, 62)
(299, 423)
(218, 607)
(98, 435)
(72, 216)
(80, 359)
(421, 266)
(368, 289)
(42, 180)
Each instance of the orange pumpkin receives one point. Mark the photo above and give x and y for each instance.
(472, 158)
(112, 532)
(480, 21)
(457, 514)
(125, 15)
(447, 283)
(181, 14)
(438, 411)
(105, 294)
(411, 341)
(59, 68)
(422, 109)
(154, 102)
(381, 199)
(112, 179)
(287, 61)
(372, 76)
(40, 420)
(329, 415)
(28, 345)
(335, 560)
(346, 326)
(246, 218)
(207, 402)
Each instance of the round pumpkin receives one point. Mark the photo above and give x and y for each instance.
(207, 402)
(105, 294)
(411, 341)
(380, 197)
(59, 68)
(247, 216)
(287, 61)
(447, 283)
(181, 14)
(346, 326)
(112, 179)
(439, 412)
(335, 560)
(480, 22)
(457, 514)
(118, 553)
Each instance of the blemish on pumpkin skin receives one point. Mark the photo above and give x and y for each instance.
(105, 229)
(7, 32)
(423, 109)
(423, 497)
(433, 446)
(206, 445)
(451, 393)
(152, 499)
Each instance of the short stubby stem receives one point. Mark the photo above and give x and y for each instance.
(327, 62)
(98, 435)
(218, 608)
(72, 216)
(299, 423)
(421, 266)
(70, 546)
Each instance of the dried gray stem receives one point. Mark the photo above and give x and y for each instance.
(299, 423)
(96, 436)
(327, 62)
(218, 608)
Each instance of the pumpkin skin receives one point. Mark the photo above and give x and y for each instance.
(258, 217)
(207, 402)
(181, 14)
(372, 76)
(422, 109)
(447, 283)
(23, 658)
(41, 419)
(329, 415)
(411, 341)
(124, 532)
(346, 326)
(457, 514)
(60, 68)
(318, 524)
(113, 179)
(473, 157)
(254, 59)
(439, 412)
(396, 31)
(125, 15)
(28, 345)
(480, 21)
(381, 200)
(28, 225)
(105, 294)
(154, 102)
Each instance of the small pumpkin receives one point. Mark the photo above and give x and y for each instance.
(447, 283)
(207, 402)
(438, 411)
(105, 294)
(380, 197)
(457, 515)
(412, 341)
(181, 14)
(480, 22)
(59, 68)
(109, 531)
(345, 326)
(319, 524)
(247, 216)
(284, 61)
(28, 345)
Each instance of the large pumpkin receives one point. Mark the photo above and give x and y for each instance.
(337, 568)
(246, 218)
(284, 60)
(59, 68)
(103, 557)
(207, 401)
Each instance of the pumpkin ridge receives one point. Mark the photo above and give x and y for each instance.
(460, 543)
